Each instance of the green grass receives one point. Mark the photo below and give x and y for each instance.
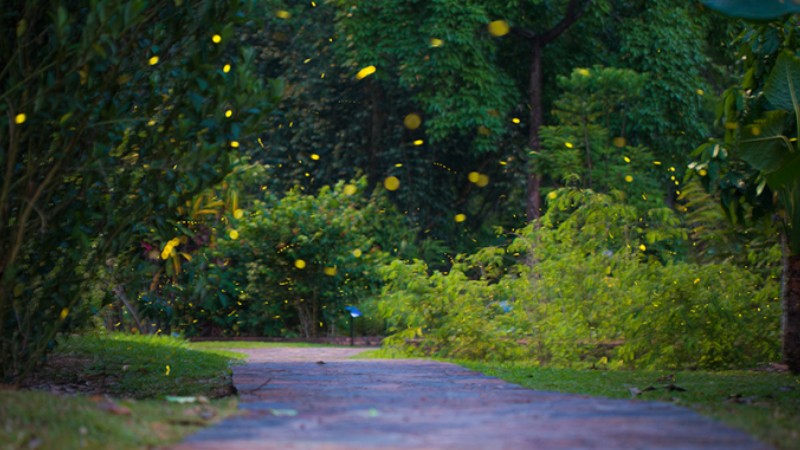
(128, 379)
(764, 404)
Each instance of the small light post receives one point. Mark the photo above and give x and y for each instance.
(354, 312)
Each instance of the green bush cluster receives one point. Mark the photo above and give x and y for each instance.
(289, 265)
(595, 286)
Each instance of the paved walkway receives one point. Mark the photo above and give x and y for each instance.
(292, 401)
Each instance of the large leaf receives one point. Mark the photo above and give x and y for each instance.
(763, 144)
(754, 9)
(782, 88)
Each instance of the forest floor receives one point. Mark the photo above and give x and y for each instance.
(321, 398)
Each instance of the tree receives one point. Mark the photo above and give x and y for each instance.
(116, 113)
(761, 116)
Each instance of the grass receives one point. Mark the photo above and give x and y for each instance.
(764, 404)
(123, 384)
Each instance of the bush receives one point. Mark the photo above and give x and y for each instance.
(586, 289)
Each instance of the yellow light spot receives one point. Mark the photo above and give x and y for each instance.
(357, 253)
(584, 72)
(626, 159)
(619, 142)
(283, 14)
(151, 122)
(755, 130)
(20, 118)
(515, 120)
(700, 92)
(498, 28)
(300, 264)
(483, 181)
(657, 163)
(731, 125)
(552, 195)
(153, 61)
(260, 142)
(313, 4)
(235, 144)
(216, 39)
(473, 177)
(399, 165)
(436, 42)
(166, 372)
(672, 169)
(696, 280)
(233, 234)
(702, 172)
(412, 121)
(391, 183)
(238, 214)
(226, 68)
(329, 271)
(365, 72)
(642, 247)
(350, 189)
(460, 218)
(628, 178)
(229, 113)
(418, 142)
(568, 144)
(315, 157)
(64, 313)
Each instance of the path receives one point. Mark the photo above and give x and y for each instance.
(290, 401)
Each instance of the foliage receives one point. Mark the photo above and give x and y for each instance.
(289, 265)
(116, 114)
(603, 289)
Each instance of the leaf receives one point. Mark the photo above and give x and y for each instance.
(758, 10)
(782, 87)
(763, 144)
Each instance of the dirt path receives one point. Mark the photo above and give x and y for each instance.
(292, 401)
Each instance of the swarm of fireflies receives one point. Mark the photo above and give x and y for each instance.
(235, 144)
(418, 142)
(473, 177)
(216, 39)
(628, 179)
(20, 118)
(153, 61)
(300, 264)
(226, 68)
(460, 218)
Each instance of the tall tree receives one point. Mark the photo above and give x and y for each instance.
(761, 116)
(116, 113)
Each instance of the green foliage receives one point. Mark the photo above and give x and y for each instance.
(289, 265)
(115, 115)
(701, 317)
(596, 284)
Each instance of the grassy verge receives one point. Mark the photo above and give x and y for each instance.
(133, 392)
(764, 404)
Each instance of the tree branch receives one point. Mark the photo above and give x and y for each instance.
(575, 10)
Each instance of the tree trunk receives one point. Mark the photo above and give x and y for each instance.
(533, 207)
(791, 312)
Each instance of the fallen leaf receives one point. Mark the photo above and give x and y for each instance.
(114, 408)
